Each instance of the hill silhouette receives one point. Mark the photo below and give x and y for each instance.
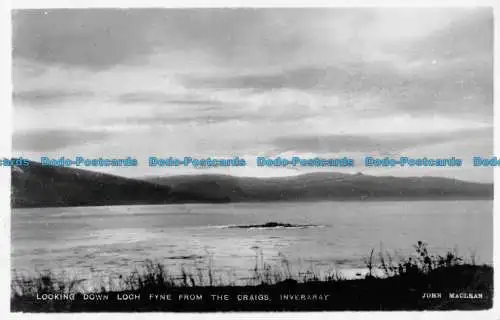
(46, 186)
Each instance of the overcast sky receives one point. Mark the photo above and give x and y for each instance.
(250, 82)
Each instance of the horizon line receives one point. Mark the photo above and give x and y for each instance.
(143, 177)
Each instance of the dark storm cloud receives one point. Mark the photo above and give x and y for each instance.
(378, 143)
(160, 98)
(34, 97)
(50, 140)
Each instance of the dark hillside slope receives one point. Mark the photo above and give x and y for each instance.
(42, 186)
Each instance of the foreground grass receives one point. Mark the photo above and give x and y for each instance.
(420, 282)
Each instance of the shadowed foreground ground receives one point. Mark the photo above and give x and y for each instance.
(421, 282)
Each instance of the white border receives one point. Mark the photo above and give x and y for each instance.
(5, 150)
(34, 4)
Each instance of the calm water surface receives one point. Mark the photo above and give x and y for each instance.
(117, 239)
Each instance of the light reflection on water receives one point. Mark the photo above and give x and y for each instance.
(98, 241)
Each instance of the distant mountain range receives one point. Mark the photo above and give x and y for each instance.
(43, 186)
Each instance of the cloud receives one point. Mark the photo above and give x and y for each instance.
(47, 96)
(215, 81)
(471, 36)
(90, 38)
(462, 87)
(160, 98)
(51, 140)
(203, 117)
(102, 38)
(342, 78)
(380, 143)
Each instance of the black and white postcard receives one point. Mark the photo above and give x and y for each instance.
(243, 159)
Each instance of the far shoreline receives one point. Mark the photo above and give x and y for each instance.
(372, 199)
